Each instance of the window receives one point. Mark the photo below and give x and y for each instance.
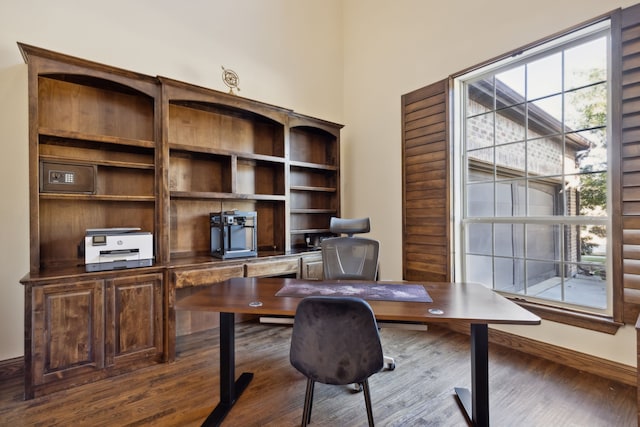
(531, 167)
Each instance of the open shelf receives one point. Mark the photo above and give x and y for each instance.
(65, 218)
(313, 146)
(212, 126)
(95, 107)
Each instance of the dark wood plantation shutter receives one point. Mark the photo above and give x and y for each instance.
(425, 190)
(626, 123)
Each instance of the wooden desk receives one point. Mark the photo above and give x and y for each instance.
(460, 302)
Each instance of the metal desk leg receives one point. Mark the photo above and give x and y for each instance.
(230, 389)
(476, 402)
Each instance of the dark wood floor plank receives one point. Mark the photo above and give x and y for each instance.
(525, 390)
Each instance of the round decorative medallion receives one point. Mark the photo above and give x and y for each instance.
(231, 79)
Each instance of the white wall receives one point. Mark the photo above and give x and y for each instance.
(394, 47)
(286, 52)
(347, 61)
(14, 206)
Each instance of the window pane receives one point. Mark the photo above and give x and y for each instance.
(571, 195)
(481, 170)
(542, 277)
(572, 239)
(586, 108)
(509, 240)
(589, 245)
(510, 124)
(543, 242)
(480, 165)
(543, 197)
(480, 200)
(510, 87)
(544, 157)
(510, 198)
(545, 117)
(587, 287)
(586, 63)
(509, 275)
(589, 151)
(511, 158)
(480, 95)
(479, 269)
(479, 239)
(591, 193)
(544, 76)
(479, 131)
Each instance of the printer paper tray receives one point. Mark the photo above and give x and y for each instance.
(118, 265)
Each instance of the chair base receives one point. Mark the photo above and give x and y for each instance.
(389, 363)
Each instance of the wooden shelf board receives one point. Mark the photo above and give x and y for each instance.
(308, 165)
(130, 165)
(309, 188)
(222, 152)
(313, 211)
(221, 195)
(97, 138)
(96, 197)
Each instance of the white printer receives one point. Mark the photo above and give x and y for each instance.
(117, 248)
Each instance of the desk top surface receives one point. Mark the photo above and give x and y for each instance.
(466, 302)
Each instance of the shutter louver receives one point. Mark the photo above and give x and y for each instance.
(628, 214)
(425, 168)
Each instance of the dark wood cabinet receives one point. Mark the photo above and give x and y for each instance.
(111, 148)
(83, 328)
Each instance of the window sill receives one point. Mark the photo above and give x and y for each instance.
(573, 318)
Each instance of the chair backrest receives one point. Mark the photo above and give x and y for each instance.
(349, 257)
(335, 340)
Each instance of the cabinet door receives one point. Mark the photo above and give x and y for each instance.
(134, 319)
(312, 267)
(67, 331)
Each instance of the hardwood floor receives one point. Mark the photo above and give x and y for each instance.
(524, 390)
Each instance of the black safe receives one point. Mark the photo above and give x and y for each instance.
(234, 234)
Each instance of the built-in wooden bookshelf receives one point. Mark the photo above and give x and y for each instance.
(161, 155)
(314, 177)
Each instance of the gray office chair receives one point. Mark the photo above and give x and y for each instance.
(335, 340)
(351, 258)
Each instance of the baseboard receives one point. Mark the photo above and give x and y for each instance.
(581, 361)
(11, 368)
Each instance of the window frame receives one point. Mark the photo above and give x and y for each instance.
(605, 322)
